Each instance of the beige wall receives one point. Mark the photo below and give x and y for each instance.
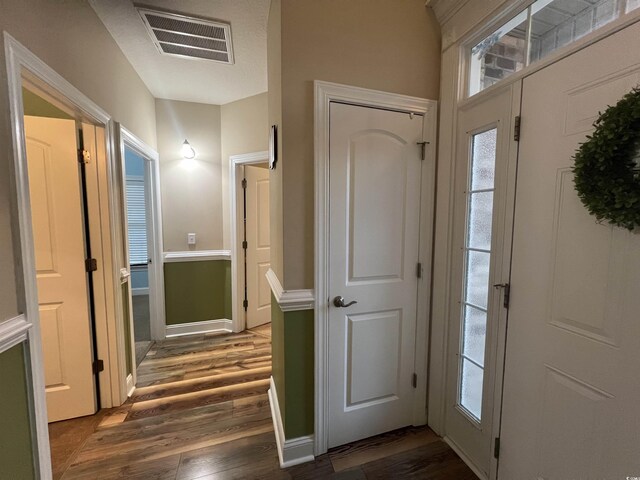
(191, 189)
(389, 45)
(70, 38)
(244, 129)
(274, 76)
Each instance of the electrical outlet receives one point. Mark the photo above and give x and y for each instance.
(191, 238)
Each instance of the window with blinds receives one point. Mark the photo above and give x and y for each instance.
(137, 221)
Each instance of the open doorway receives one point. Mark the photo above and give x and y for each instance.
(69, 250)
(251, 252)
(58, 193)
(137, 187)
(144, 244)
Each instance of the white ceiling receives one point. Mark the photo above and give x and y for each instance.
(193, 80)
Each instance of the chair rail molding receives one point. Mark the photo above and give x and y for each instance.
(196, 256)
(13, 331)
(290, 300)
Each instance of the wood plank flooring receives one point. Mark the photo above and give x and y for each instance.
(201, 412)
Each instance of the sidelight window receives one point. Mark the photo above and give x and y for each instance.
(477, 250)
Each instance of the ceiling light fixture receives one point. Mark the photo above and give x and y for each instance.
(187, 150)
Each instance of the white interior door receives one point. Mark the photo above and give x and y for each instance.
(258, 252)
(572, 390)
(374, 207)
(56, 210)
(485, 177)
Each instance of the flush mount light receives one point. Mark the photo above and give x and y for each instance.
(187, 150)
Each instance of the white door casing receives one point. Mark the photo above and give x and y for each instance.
(571, 386)
(258, 246)
(476, 238)
(56, 209)
(375, 172)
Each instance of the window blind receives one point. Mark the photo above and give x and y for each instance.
(136, 221)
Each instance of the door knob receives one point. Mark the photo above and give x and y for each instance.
(339, 302)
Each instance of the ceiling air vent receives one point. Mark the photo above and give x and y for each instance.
(189, 37)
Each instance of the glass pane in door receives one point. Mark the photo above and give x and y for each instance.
(476, 273)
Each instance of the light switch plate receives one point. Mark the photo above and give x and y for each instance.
(191, 238)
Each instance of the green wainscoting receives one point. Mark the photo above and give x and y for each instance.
(293, 368)
(16, 448)
(197, 291)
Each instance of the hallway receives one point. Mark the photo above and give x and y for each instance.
(201, 412)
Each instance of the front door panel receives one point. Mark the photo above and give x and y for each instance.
(571, 382)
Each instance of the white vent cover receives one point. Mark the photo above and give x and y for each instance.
(189, 37)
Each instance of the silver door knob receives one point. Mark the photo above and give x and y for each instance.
(339, 302)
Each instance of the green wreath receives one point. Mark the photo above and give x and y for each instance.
(607, 166)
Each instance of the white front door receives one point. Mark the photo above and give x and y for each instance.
(258, 246)
(56, 211)
(374, 211)
(572, 386)
(485, 177)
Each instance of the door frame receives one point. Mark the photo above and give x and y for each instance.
(21, 62)
(154, 214)
(238, 322)
(325, 93)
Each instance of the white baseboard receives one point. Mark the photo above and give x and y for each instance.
(130, 386)
(290, 452)
(140, 291)
(454, 446)
(208, 326)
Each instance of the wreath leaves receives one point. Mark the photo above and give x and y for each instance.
(607, 166)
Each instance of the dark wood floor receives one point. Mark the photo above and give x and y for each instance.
(201, 412)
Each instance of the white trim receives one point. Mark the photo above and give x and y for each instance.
(13, 331)
(21, 62)
(290, 452)
(194, 328)
(237, 272)
(325, 93)
(140, 291)
(454, 446)
(131, 386)
(290, 300)
(196, 256)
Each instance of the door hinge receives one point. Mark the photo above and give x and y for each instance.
(496, 447)
(91, 265)
(423, 146)
(507, 293)
(516, 129)
(419, 270)
(97, 366)
(414, 380)
(244, 244)
(245, 304)
(84, 156)
(244, 183)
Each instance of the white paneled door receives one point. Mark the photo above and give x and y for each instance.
(56, 211)
(572, 388)
(258, 246)
(375, 175)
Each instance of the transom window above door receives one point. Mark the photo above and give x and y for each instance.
(534, 33)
